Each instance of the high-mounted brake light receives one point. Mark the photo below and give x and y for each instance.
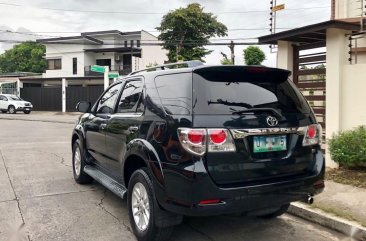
(312, 135)
(256, 70)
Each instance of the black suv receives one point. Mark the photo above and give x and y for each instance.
(187, 140)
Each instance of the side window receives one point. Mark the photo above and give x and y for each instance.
(107, 102)
(175, 91)
(131, 98)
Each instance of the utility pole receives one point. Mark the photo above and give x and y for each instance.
(232, 46)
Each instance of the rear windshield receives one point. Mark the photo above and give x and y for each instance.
(233, 93)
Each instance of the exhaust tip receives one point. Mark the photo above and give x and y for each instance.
(310, 199)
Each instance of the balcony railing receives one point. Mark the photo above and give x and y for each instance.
(121, 69)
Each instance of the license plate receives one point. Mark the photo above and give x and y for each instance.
(26, 108)
(269, 143)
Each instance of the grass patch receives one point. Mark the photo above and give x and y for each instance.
(354, 177)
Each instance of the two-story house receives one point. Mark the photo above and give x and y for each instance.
(121, 51)
(69, 79)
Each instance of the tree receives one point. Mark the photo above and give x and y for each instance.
(24, 57)
(226, 61)
(253, 55)
(185, 32)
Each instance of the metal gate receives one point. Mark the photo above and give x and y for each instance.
(309, 76)
(74, 94)
(43, 98)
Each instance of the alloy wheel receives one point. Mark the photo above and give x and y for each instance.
(140, 206)
(77, 161)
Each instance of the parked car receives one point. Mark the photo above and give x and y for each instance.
(13, 103)
(200, 141)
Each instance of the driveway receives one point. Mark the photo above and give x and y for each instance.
(37, 189)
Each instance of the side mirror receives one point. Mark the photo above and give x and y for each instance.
(83, 106)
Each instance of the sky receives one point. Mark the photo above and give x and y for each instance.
(245, 19)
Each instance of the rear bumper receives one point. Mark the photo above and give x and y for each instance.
(184, 190)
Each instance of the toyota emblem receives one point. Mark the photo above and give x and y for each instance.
(272, 121)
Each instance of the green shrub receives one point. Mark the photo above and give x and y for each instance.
(348, 148)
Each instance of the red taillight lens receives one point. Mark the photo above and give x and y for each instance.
(196, 136)
(256, 70)
(218, 136)
(196, 141)
(211, 201)
(311, 131)
(312, 135)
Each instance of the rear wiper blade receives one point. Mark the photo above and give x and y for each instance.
(274, 111)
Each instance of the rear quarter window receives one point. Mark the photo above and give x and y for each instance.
(175, 92)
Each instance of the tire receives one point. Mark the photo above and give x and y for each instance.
(140, 186)
(277, 213)
(27, 111)
(12, 109)
(78, 164)
(4, 111)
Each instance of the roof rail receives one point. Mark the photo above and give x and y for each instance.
(185, 64)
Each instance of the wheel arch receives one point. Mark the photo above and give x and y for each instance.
(141, 153)
(78, 133)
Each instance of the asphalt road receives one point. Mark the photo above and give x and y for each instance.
(37, 189)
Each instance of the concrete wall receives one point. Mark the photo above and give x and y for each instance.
(285, 56)
(347, 9)
(353, 96)
(151, 54)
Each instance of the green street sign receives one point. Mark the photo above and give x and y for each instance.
(97, 68)
(113, 75)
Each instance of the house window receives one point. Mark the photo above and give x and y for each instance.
(131, 43)
(74, 66)
(138, 43)
(126, 44)
(53, 64)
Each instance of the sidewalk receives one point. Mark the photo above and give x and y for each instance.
(44, 116)
(340, 207)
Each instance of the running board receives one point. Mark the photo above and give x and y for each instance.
(106, 181)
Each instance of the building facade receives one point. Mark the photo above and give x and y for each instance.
(122, 52)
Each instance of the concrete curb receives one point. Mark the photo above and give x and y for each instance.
(320, 217)
(40, 120)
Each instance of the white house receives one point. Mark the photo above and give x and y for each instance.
(123, 52)
(69, 79)
(340, 45)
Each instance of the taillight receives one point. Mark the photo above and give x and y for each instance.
(220, 141)
(193, 140)
(312, 135)
(217, 136)
(196, 140)
(196, 136)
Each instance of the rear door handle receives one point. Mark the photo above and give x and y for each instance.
(133, 129)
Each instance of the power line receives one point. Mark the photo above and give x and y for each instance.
(186, 43)
(153, 13)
